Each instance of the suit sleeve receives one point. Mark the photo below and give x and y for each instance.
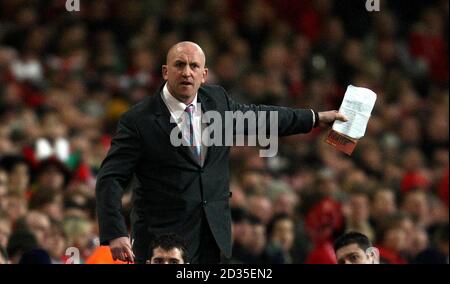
(290, 121)
(115, 172)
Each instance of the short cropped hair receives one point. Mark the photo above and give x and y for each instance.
(168, 242)
(349, 238)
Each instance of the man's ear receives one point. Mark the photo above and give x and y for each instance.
(164, 72)
(205, 75)
(148, 262)
(373, 254)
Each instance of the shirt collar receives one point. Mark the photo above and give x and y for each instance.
(176, 107)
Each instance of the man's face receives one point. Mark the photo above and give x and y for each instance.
(185, 71)
(353, 254)
(284, 233)
(160, 256)
(39, 224)
(359, 208)
(384, 203)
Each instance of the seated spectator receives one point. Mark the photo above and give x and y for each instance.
(437, 252)
(382, 204)
(38, 224)
(19, 243)
(281, 235)
(48, 201)
(168, 249)
(358, 215)
(355, 248)
(395, 238)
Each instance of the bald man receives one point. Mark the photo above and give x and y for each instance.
(178, 188)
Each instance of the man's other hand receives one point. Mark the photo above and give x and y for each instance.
(121, 249)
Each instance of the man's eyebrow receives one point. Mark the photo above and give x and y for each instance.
(184, 62)
(351, 254)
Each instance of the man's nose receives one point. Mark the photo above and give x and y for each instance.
(187, 71)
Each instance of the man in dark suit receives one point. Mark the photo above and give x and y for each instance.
(182, 190)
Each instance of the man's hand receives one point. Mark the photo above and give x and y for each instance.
(326, 118)
(121, 249)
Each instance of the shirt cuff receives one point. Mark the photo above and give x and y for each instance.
(315, 119)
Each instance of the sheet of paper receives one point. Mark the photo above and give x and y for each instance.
(357, 105)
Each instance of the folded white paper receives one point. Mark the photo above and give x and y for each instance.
(357, 105)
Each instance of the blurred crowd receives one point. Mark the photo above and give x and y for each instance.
(66, 77)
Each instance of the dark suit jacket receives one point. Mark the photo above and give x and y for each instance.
(173, 190)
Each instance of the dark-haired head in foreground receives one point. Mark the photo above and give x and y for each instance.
(167, 249)
(355, 248)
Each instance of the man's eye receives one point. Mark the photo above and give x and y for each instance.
(194, 66)
(174, 261)
(354, 257)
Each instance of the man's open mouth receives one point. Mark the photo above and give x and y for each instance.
(186, 83)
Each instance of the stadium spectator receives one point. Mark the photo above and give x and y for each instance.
(168, 249)
(355, 248)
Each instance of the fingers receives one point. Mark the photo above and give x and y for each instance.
(123, 253)
(328, 117)
(129, 255)
(341, 117)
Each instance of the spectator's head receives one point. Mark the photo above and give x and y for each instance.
(260, 207)
(281, 231)
(355, 248)
(241, 228)
(253, 182)
(441, 239)
(20, 242)
(416, 204)
(259, 240)
(419, 241)
(167, 249)
(323, 219)
(185, 70)
(39, 224)
(15, 206)
(79, 233)
(18, 171)
(53, 126)
(396, 232)
(56, 243)
(48, 201)
(52, 174)
(358, 207)
(285, 203)
(383, 203)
